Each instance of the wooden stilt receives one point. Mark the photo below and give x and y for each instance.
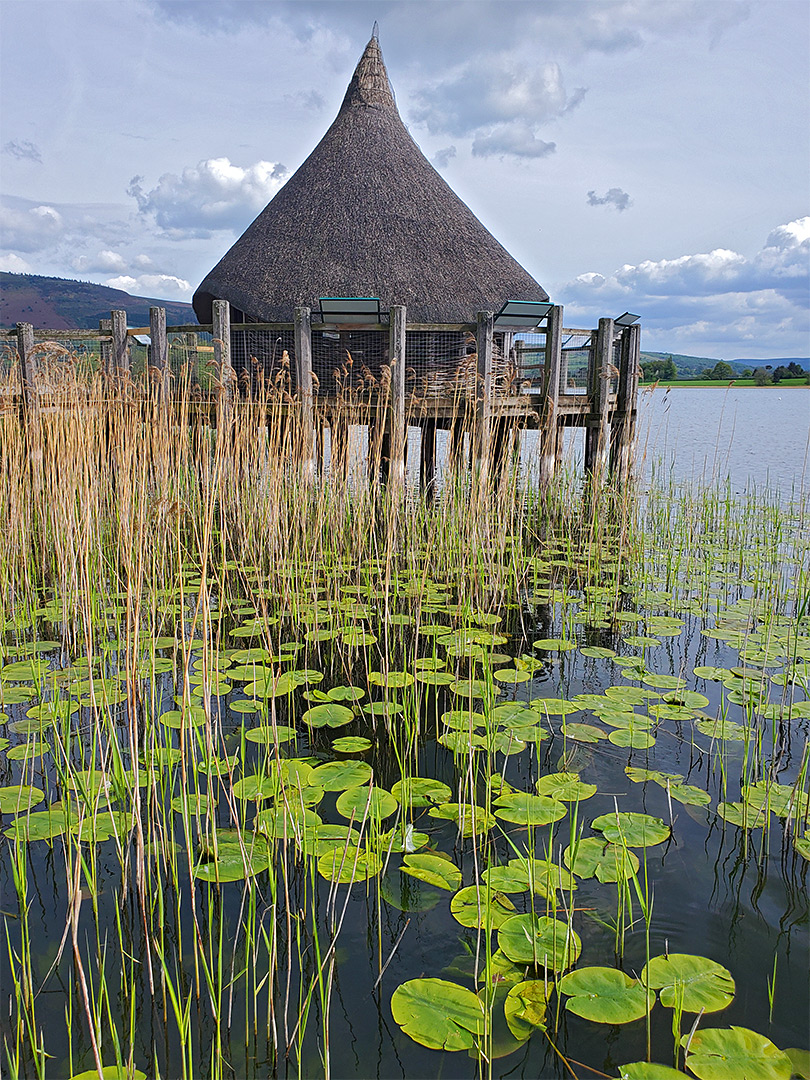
(303, 369)
(427, 455)
(551, 435)
(28, 369)
(120, 344)
(623, 431)
(483, 413)
(398, 430)
(159, 354)
(597, 431)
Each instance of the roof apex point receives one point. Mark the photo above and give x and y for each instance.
(370, 85)
(375, 31)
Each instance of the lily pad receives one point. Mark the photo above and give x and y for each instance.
(471, 818)
(481, 907)
(539, 940)
(605, 995)
(433, 869)
(691, 983)
(329, 714)
(524, 809)
(341, 775)
(525, 1006)
(345, 865)
(18, 797)
(420, 791)
(735, 1053)
(565, 786)
(353, 802)
(636, 830)
(351, 744)
(439, 1014)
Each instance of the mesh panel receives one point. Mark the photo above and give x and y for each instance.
(264, 358)
(530, 361)
(576, 350)
(439, 364)
(353, 362)
(192, 355)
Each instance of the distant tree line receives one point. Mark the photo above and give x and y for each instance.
(664, 370)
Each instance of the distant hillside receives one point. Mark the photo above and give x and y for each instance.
(51, 303)
(694, 365)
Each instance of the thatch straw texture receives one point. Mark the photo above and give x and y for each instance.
(367, 215)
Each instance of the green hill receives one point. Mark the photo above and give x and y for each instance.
(51, 303)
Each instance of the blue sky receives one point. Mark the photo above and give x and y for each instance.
(649, 155)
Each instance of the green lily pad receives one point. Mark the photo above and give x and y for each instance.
(481, 907)
(471, 818)
(554, 644)
(524, 809)
(439, 1014)
(40, 825)
(345, 865)
(605, 995)
(507, 878)
(722, 729)
(691, 983)
(635, 738)
(329, 714)
(434, 870)
(352, 803)
(585, 733)
(110, 1072)
(539, 940)
(270, 735)
(17, 798)
(648, 1070)
(636, 830)
(594, 857)
(256, 787)
(351, 744)
(420, 791)
(565, 786)
(341, 775)
(525, 1007)
(742, 815)
(735, 1053)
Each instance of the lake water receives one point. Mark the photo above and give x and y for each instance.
(744, 436)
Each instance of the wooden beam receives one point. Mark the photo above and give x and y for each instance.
(396, 352)
(551, 434)
(303, 372)
(427, 455)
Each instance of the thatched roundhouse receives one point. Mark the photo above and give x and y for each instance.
(368, 215)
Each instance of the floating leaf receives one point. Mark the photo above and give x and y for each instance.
(554, 644)
(539, 940)
(328, 715)
(433, 869)
(40, 825)
(256, 787)
(735, 1053)
(509, 878)
(110, 1072)
(345, 864)
(351, 744)
(585, 733)
(18, 797)
(394, 680)
(439, 1014)
(690, 983)
(524, 809)
(525, 1006)
(420, 791)
(481, 907)
(722, 729)
(565, 786)
(636, 830)
(470, 818)
(605, 995)
(637, 739)
(595, 857)
(340, 775)
(689, 794)
(353, 802)
(270, 734)
(648, 1070)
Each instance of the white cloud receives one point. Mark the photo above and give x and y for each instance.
(720, 296)
(102, 262)
(213, 195)
(30, 229)
(162, 286)
(13, 264)
(501, 105)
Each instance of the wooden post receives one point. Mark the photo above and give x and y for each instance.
(483, 412)
(221, 333)
(550, 435)
(427, 455)
(159, 351)
(623, 434)
(303, 370)
(597, 432)
(396, 352)
(104, 347)
(120, 342)
(28, 367)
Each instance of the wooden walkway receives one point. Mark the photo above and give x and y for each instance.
(492, 407)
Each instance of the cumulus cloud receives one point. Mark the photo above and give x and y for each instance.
(614, 197)
(714, 296)
(501, 105)
(23, 150)
(102, 262)
(162, 286)
(30, 228)
(210, 196)
(442, 158)
(13, 264)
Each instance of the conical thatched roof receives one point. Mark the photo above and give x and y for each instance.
(367, 215)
